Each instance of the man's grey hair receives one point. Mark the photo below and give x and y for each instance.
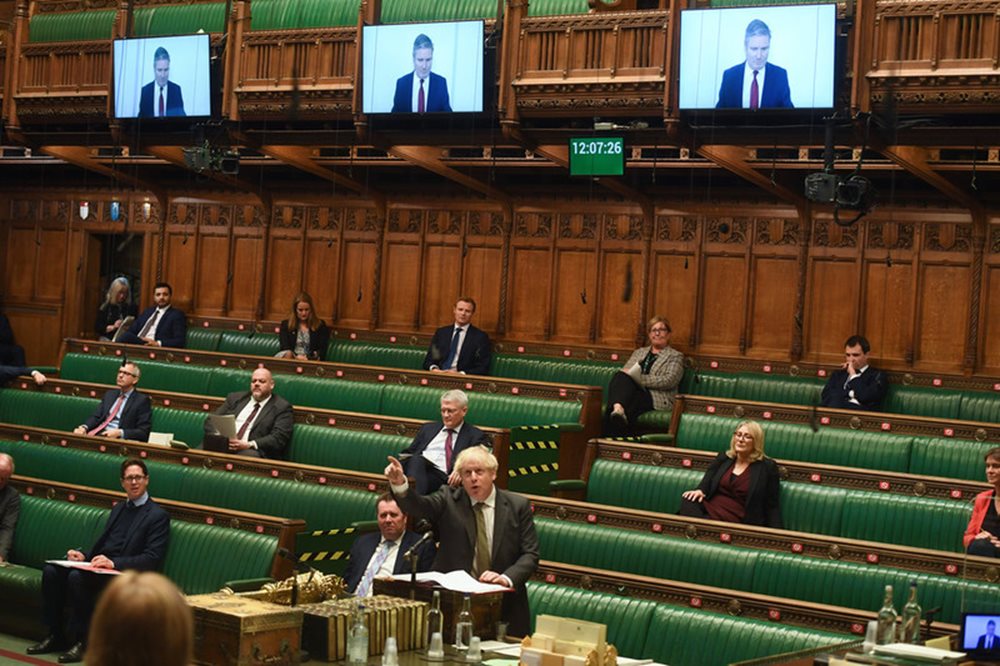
(456, 396)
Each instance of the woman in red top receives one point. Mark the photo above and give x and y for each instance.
(982, 536)
(741, 485)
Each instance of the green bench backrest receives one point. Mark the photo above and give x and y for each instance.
(557, 7)
(179, 19)
(342, 394)
(918, 401)
(84, 468)
(548, 369)
(712, 384)
(48, 528)
(90, 368)
(203, 339)
(200, 557)
(295, 14)
(817, 509)
(407, 11)
(366, 353)
(907, 521)
(980, 407)
(344, 449)
(187, 426)
(45, 410)
(72, 26)
(249, 344)
(639, 486)
(784, 390)
(954, 459)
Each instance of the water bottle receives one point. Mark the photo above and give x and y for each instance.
(435, 618)
(463, 625)
(887, 620)
(911, 617)
(357, 639)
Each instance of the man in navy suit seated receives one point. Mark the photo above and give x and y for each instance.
(380, 554)
(857, 385)
(161, 98)
(159, 325)
(124, 413)
(755, 83)
(421, 90)
(431, 461)
(460, 347)
(135, 537)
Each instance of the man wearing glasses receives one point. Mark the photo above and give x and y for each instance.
(124, 413)
(135, 537)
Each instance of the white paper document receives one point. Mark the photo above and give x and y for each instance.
(456, 581)
(224, 424)
(83, 566)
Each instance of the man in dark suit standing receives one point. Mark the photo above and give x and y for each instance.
(159, 325)
(755, 83)
(264, 419)
(421, 90)
(437, 444)
(9, 372)
(135, 537)
(856, 385)
(481, 529)
(10, 507)
(124, 413)
(161, 98)
(460, 347)
(989, 642)
(380, 554)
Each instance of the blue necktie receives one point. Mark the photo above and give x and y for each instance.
(450, 360)
(376, 564)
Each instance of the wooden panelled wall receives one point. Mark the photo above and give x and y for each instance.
(910, 280)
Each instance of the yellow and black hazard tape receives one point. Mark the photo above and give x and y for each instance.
(336, 532)
(533, 469)
(531, 446)
(323, 556)
(537, 427)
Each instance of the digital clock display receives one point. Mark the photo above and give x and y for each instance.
(597, 156)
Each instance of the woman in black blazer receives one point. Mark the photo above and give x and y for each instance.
(303, 335)
(740, 486)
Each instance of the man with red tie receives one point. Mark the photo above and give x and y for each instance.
(161, 98)
(432, 454)
(755, 83)
(264, 419)
(124, 413)
(421, 91)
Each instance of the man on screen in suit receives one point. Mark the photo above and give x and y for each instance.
(380, 554)
(460, 347)
(755, 83)
(989, 642)
(161, 98)
(856, 385)
(159, 325)
(421, 90)
(264, 419)
(437, 444)
(481, 529)
(124, 413)
(135, 537)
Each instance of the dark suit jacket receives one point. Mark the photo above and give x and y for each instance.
(9, 372)
(364, 547)
(515, 543)
(319, 340)
(476, 350)
(175, 100)
(437, 97)
(110, 314)
(272, 430)
(146, 544)
(171, 330)
(869, 389)
(468, 436)
(10, 509)
(11, 353)
(763, 505)
(136, 420)
(981, 644)
(776, 94)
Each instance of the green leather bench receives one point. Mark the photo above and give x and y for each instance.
(367, 353)
(674, 635)
(72, 26)
(320, 506)
(203, 339)
(915, 521)
(199, 558)
(779, 574)
(45, 410)
(249, 344)
(184, 19)
(344, 449)
(298, 14)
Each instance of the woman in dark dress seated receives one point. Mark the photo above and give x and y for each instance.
(740, 486)
(116, 306)
(303, 335)
(982, 536)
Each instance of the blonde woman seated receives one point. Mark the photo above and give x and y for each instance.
(116, 306)
(740, 486)
(142, 618)
(303, 335)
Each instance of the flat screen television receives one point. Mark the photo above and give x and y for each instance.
(422, 68)
(162, 77)
(792, 49)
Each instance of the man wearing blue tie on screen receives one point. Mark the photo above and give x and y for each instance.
(161, 98)
(755, 83)
(421, 91)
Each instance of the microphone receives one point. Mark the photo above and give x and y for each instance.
(421, 526)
